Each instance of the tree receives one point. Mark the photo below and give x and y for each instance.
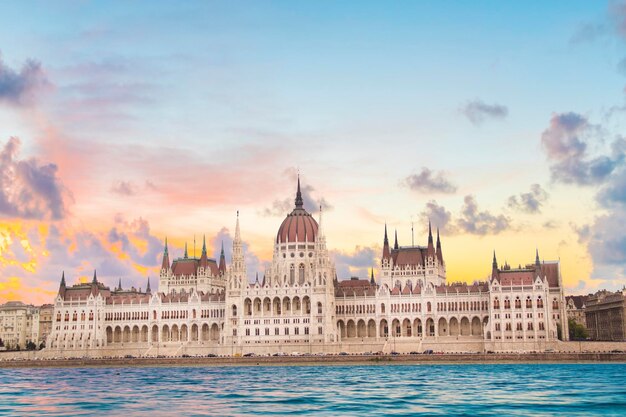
(31, 346)
(577, 331)
(1, 343)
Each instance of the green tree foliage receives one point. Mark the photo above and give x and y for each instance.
(577, 331)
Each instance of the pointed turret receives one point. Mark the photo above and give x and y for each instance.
(148, 290)
(537, 262)
(263, 282)
(372, 281)
(222, 266)
(256, 281)
(386, 254)
(439, 253)
(430, 252)
(94, 284)
(237, 232)
(204, 260)
(119, 286)
(62, 286)
(320, 229)
(165, 265)
(494, 266)
(299, 202)
(238, 262)
(395, 244)
(185, 255)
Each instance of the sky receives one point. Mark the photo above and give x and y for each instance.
(123, 123)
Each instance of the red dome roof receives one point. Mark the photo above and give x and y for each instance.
(299, 225)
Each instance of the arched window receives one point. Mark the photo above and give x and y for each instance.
(518, 302)
(319, 308)
(507, 303)
(555, 304)
(539, 302)
(292, 274)
(382, 308)
(428, 307)
(496, 303)
(301, 273)
(234, 310)
(529, 302)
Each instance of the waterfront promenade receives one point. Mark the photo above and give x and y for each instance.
(314, 360)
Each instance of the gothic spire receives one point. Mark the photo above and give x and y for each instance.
(185, 256)
(299, 202)
(439, 253)
(204, 244)
(386, 254)
(222, 266)
(372, 281)
(62, 285)
(430, 234)
(494, 264)
(395, 245)
(119, 286)
(148, 290)
(537, 262)
(95, 280)
(166, 258)
(431, 248)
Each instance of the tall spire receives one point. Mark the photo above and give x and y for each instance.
(320, 229)
(237, 232)
(386, 254)
(119, 286)
(222, 266)
(204, 260)
(431, 248)
(372, 281)
(95, 280)
(148, 290)
(185, 255)
(439, 253)
(537, 262)
(299, 202)
(238, 262)
(165, 265)
(62, 285)
(430, 234)
(494, 264)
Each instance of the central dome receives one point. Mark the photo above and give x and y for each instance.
(299, 225)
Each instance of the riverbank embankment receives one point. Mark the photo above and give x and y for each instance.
(404, 359)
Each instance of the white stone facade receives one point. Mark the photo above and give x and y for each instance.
(299, 305)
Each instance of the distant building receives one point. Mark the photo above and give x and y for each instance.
(19, 324)
(605, 318)
(45, 322)
(575, 306)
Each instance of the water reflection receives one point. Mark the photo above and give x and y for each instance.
(586, 389)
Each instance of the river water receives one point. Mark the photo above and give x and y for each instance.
(400, 390)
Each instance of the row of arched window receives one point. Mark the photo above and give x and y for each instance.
(83, 316)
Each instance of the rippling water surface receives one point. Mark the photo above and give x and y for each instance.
(520, 389)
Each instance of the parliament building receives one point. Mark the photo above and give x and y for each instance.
(204, 306)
